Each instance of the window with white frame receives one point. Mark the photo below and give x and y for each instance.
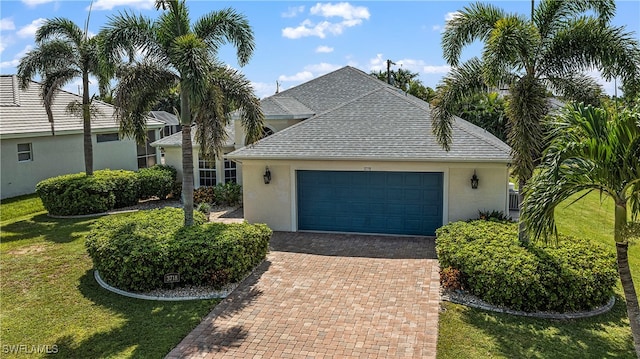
(207, 171)
(146, 152)
(107, 137)
(25, 152)
(230, 171)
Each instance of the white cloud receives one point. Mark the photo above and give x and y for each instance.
(324, 49)
(293, 11)
(263, 89)
(451, 15)
(309, 72)
(299, 77)
(110, 4)
(7, 24)
(379, 63)
(5, 65)
(32, 3)
(442, 69)
(351, 16)
(343, 10)
(30, 30)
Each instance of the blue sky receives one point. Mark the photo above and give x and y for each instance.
(295, 41)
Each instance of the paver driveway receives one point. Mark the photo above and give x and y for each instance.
(328, 296)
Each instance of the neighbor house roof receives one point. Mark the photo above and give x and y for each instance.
(165, 117)
(22, 113)
(175, 140)
(381, 123)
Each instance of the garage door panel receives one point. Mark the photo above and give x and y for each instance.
(370, 202)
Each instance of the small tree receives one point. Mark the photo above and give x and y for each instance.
(63, 53)
(179, 54)
(591, 151)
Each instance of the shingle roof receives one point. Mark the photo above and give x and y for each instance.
(175, 140)
(381, 124)
(22, 113)
(165, 117)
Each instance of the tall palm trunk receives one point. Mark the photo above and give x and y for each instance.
(86, 123)
(187, 157)
(622, 246)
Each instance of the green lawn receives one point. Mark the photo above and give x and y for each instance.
(472, 333)
(49, 297)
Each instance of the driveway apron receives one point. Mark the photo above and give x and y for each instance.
(328, 296)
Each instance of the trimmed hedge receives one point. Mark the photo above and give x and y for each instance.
(135, 251)
(77, 194)
(571, 275)
(157, 181)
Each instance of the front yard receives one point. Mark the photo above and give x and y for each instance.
(50, 301)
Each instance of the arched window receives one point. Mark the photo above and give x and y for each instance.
(266, 131)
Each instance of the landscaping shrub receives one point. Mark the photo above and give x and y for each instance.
(77, 194)
(157, 181)
(204, 194)
(569, 275)
(229, 193)
(135, 251)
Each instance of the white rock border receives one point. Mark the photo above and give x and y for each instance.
(221, 294)
(480, 304)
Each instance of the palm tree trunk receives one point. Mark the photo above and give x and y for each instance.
(630, 296)
(86, 122)
(523, 237)
(187, 158)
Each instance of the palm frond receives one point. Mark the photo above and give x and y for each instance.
(585, 43)
(53, 54)
(510, 46)
(140, 86)
(460, 83)
(190, 56)
(172, 23)
(588, 150)
(552, 15)
(577, 87)
(126, 33)
(60, 28)
(473, 23)
(220, 27)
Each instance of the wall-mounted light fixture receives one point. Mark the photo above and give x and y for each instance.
(267, 175)
(474, 180)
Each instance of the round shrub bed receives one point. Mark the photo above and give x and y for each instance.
(77, 194)
(564, 276)
(133, 252)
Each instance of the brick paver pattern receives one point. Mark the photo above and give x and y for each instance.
(328, 296)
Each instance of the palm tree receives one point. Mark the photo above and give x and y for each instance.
(590, 151)
(176, 53)
(63, 53)
(531, 56)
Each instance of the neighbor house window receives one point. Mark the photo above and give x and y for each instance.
(230, 171)
(107, 137)
(207, 170)
(147, 153)
(25, 152)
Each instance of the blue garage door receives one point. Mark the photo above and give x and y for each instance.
(370, 202)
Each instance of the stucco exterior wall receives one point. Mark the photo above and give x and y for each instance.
(274, 125)
(275, 203)
(173, 157)
(58, 155)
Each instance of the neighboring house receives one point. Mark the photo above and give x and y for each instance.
(350, 153)
(171, 122)
(30, 153)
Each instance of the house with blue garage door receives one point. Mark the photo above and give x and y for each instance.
(358, 155)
